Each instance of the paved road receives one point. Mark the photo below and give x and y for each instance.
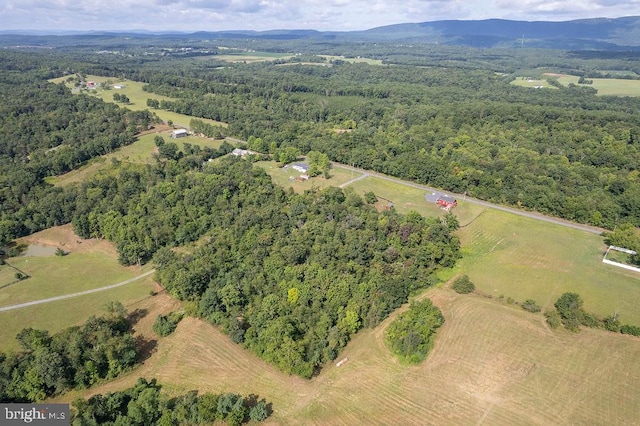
(81, 293)
(531, 215)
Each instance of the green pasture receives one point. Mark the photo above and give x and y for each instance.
(140, 152)
(7, 275)
(137, 97)
(607, 86)
(353, 60)
(513, 256)
(52, 276)
(287, 177)
(532, 83)
(249, 57)
(55, 316)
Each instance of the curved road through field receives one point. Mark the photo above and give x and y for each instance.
(81, 293)
(466, 198)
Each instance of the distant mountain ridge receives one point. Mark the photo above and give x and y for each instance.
(584, 33)
(597, 33)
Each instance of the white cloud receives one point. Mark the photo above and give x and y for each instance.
(194, 15)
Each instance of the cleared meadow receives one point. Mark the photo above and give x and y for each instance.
(90, 264)
(137, 97)
(607, 86)
(140, 152)
(287, 177)
(491, 364)
(522, 258)
(249, 57)
(532, 83)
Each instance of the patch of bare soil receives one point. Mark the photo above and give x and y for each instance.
(158, 128)
(64, 238)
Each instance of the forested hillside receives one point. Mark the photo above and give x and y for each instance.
(564, 152)
(46, 131)
(293, 276)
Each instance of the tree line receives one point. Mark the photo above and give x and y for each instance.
(77, 357)
(143, 404)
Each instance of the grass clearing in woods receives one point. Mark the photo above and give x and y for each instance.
(90, 264)
(140, 152)
(137, 97)
(491, 363)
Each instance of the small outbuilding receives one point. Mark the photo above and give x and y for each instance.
(242, 152)
(179, 133)
(447, 202)
(301, 167)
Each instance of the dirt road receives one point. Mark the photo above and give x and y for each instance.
(81, 293)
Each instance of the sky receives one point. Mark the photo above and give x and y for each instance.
(323, 15)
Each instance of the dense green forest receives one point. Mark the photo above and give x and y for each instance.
(77, 357)
(411, 335)
(293, 276)
(144, 405)
(565, 152)
(46, 131)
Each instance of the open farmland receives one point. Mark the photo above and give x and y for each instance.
(248, 57)
(532, 83)
(607, 86)
(517, 257)
(90, 264)
(140, 152)
(523, 258)
(137, 97)
(491, 364)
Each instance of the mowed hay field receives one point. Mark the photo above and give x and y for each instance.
(513, 256)
(90, 264)
(491, 364)
(607, 86)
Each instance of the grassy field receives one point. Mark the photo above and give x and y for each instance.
(137, 97)
(140, 152)
(513, 256)
(287, 177)
(522, 258)
(491, 364)
(607, 86)
(55, 316)
(250, 57)
(353, 60)
(89, 264)
(532, 83)
(404, 198)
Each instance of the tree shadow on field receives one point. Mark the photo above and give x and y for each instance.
(145, 347)
(134, 317)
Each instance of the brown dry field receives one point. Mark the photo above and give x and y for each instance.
(491, 364)
(64, 237)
